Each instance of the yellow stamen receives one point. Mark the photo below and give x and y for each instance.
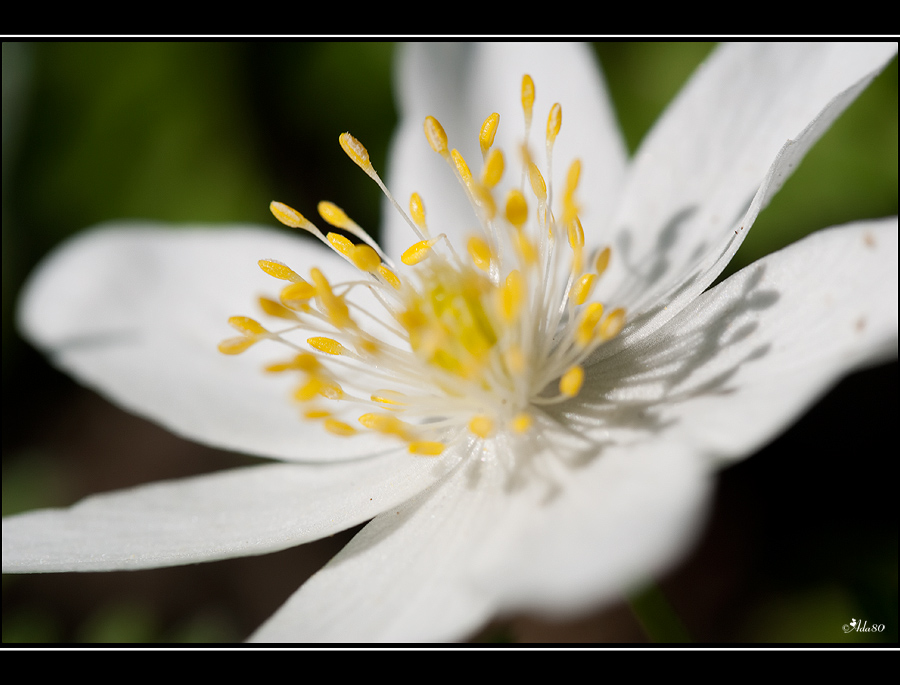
(272, 308)
(390, 425)
(512, 295)
(339, 427)
(416, 253)
(335, 307)
(554, 121)
(389, 276)
(515, 359)
(576, 234)
(521, 423)
(585, 332)
(391, 397)
(288, 215)
(326, 345)
(461, 167)
(612, 325)
(482, 426)
(527, 99)
(279, 270)
(516, 208)
(602, 261)
(340, 243)
(246, 325)
(436, 136)
(297, 292)
(365, 258)
(480, 253)
(538, 187)
(488, 131)
(426, 448)
(571, 381)
(493, 169)
(357, 152)
(236, 345)
(417, 210)
(582, 288)
(334, 215)
(305, 361)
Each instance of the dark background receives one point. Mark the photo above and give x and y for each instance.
(803, 536)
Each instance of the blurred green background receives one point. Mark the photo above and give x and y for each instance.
(211, 132)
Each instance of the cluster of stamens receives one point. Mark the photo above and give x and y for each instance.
(478, 341)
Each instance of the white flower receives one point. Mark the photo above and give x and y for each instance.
(567, 459)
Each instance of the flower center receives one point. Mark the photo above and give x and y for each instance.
(474, 342)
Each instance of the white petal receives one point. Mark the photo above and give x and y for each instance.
(136, 312)
(462, 84)
(741, 363)
(233, 513)
(564, 540)
(686, 205)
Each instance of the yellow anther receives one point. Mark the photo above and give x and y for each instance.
(482, 426)
(365, 258)
(582, 288)
(573, 176)
(291, 217)
(487, 133)
(571, 381)
(390, 425)
(416, 253)
(512, 295)
(391, 397)
(554, 121)
(335, 307)
(316, 414)
(389, 276)
(480, 253)
(340, 243)
(515, 359)
(331, 390)
(516, 208)
(426, 448)
(527, 98)
(570, 207)
(309, 390)
(493, 169)
(326, 345)
(538, 187)
(612, 325)
(356, 151)
(526, 249)
(279, 270)
(417, 210)
(576, 234)
(589, 318)
(272, 308)
(305, 361)
(521, 423)
(297, 292)
(236, 345)
(602, 261)
(436, 136)
(334, 215)
(316, 385)
(461, 167)
(246, 325)
(338, 427)
(485, 201)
